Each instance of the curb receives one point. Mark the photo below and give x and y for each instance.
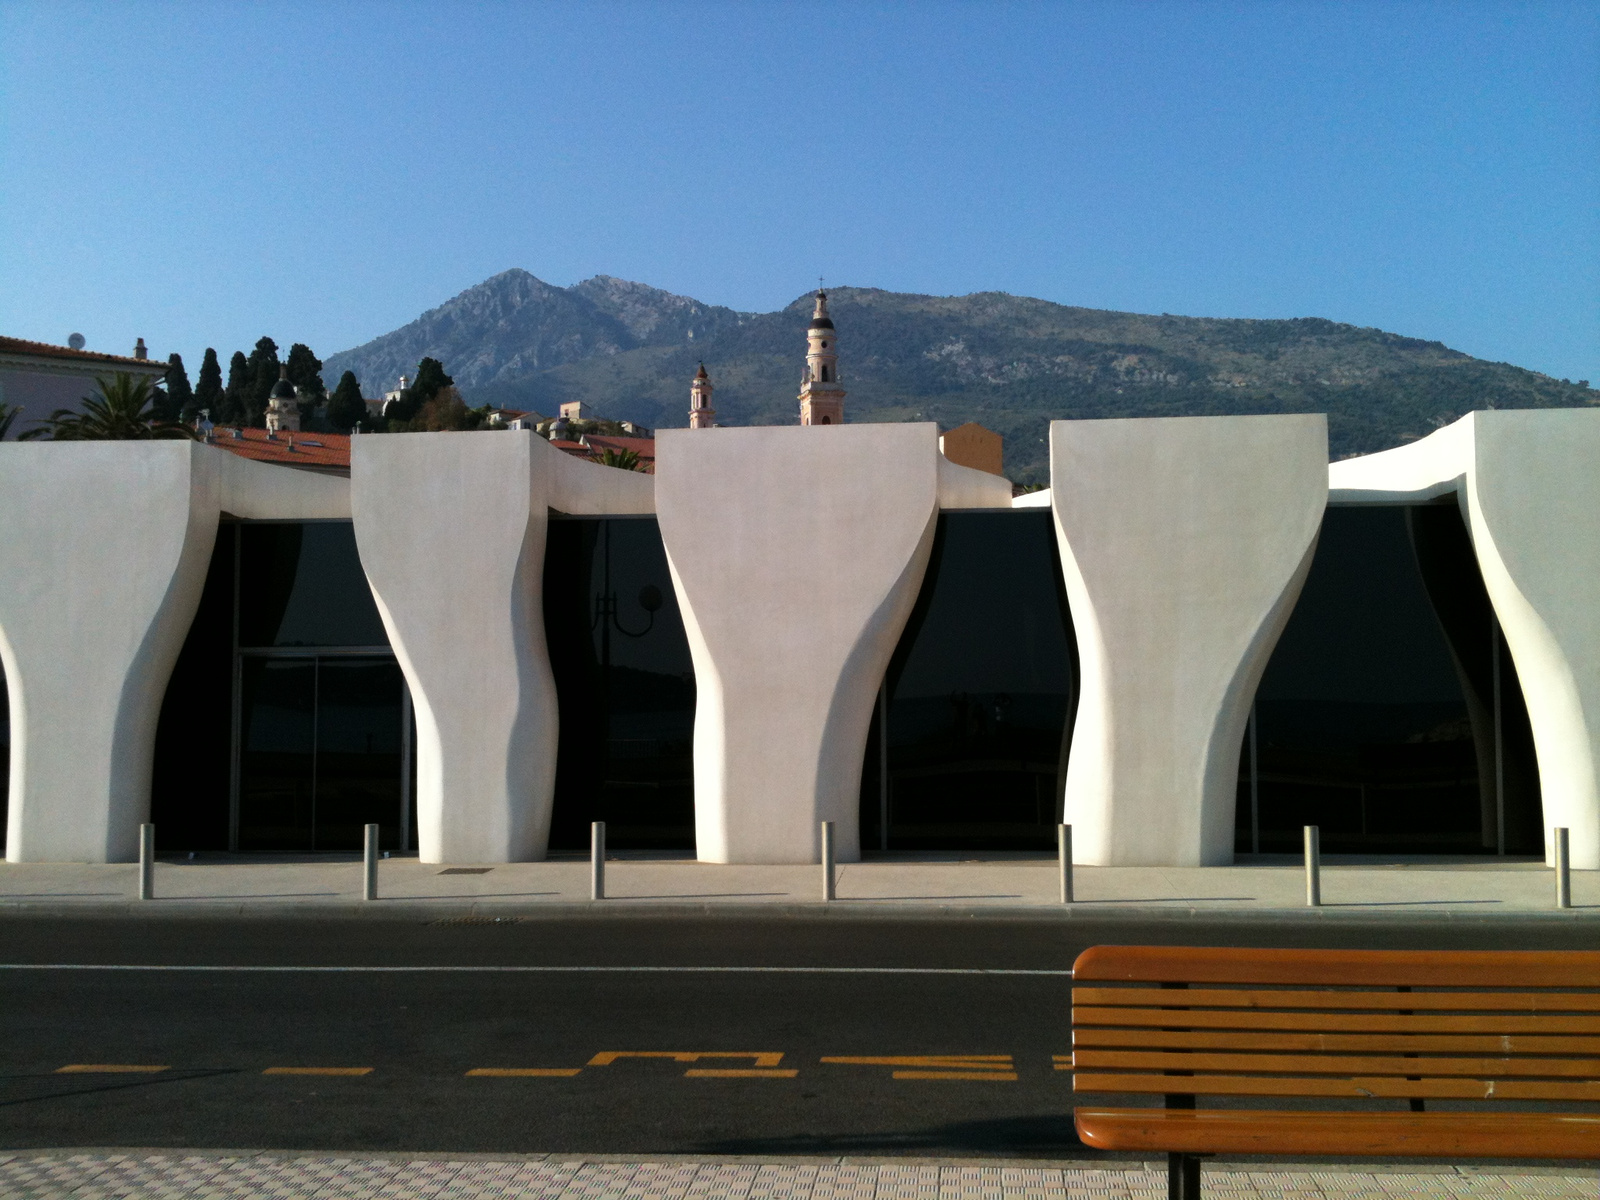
(472, 913)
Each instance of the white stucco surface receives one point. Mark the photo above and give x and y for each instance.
(968, 487)
(451, 532)
(103, 555)
(1528, 481)
(1184, 542)
(582, 488)
(796, 554)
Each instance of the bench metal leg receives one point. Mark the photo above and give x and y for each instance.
(1183, 1177)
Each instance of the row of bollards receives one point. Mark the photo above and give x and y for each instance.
(597, 863)
(147, 862)
(1313, 854)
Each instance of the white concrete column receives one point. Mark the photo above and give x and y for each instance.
(451, 531)
(1533, 506)
(797, 554)
(104, 548)
(1184, 542)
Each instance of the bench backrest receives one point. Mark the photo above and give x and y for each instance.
(1458, 1025)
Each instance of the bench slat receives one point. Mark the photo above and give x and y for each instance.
(1442, 1135)
(1378, 968)
(1339, 1064)
(1360, 1087)
(1334, 1022)
(1301, 998)
(1255, 1039)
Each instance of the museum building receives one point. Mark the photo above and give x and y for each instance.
(1200, 638)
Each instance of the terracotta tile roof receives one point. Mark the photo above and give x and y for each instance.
(598, 443)
(22, 348)
(317, 450)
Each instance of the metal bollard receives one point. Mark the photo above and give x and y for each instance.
(827, 860)
(147, 862)
(1563, 870)
(1064, 852)
(369, 864)
(1313, 866)
(597, 861)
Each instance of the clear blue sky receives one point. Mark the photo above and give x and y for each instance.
(201, 174)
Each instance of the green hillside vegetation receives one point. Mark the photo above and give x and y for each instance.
(1011, 363)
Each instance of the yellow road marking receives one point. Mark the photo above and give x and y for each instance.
(534, 1072)
(763, 1058)
(948, 1062)
(1063, 1061)
(1002, 1076)
(318, 1071)
(106, 1069)
(736, 1073)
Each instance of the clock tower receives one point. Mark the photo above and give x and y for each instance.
(821, 397)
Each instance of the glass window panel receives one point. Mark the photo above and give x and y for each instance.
(302, 585)
(358, 752)
(1372, 721)
(193, 754)
(980, 692)
(625, 683)
(276, 757)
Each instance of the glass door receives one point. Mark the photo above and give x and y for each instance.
(320, 753)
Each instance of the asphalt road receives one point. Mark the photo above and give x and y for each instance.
(942, 1034)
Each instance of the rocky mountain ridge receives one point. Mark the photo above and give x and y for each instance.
(1012, 362)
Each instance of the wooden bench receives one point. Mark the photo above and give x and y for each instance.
(1371, 1034)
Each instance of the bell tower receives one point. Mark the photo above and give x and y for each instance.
(701, 413)
(821, 397)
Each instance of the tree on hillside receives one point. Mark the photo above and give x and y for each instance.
(236, 398)
(346, 408)
(430, 381)
(121, 411)
(264, 365)
(208, 389)
(179, 397)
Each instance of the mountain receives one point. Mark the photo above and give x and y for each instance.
(1010, 362)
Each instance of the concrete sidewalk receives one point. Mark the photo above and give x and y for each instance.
(1019, 885)
(180, 1175)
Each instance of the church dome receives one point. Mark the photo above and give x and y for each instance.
(820, 323)
(283, 389)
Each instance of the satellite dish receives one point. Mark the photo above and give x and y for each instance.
(75, 341)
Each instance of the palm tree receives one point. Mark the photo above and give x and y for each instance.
(120, 412)
(627, 460)
(8, 414)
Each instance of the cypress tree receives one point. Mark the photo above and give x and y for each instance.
(305, 372)
(263, 365)
(347, 409)
(236, 400)
(180, 399)
(208, 388)
(430, 381)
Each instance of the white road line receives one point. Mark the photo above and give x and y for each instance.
(1065, 973)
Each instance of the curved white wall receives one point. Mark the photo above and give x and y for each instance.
(451, 532)
(1184, 542)
(103, 555)
(796, 554)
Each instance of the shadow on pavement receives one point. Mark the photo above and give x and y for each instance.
(1002, 1136)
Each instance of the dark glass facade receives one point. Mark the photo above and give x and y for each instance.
(980, 692)
(285, 727)
(625, 683)
(1390, 714)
